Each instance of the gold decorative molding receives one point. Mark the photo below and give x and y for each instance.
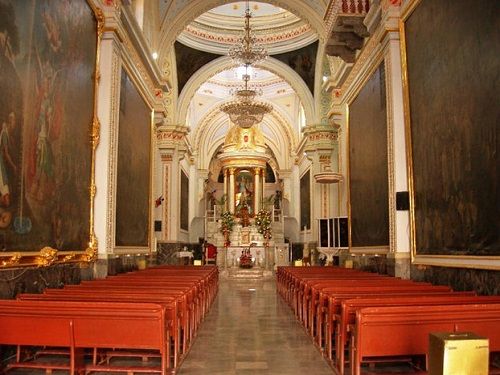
(68, 257)
(47, 257)
(90, 255)
(422, 260)
(12, 261)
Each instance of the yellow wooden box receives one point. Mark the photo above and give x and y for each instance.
(460, 353)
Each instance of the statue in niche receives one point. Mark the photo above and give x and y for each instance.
(243, 201)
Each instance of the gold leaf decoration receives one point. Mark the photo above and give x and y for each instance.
(12, 261)
(47, 257)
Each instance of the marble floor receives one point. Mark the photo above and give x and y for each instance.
(250, 330)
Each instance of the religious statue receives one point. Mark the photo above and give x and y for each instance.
(243, 200)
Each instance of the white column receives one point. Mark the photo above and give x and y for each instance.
(107, 110)
(257, 191)
(231, 190)
(400, 237)
(193, 201)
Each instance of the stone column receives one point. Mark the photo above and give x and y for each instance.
(231, 190)
(322, 150)
(257, 192)
(107, 108)
(172, 147)
(399, 235)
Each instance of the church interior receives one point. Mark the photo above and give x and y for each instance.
(243, 187)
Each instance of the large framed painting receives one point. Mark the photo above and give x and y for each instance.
(305, 201)
(133, 188)
(48, 56)
(184, 222)
(368, 176)
(452, 85)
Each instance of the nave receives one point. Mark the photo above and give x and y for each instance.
(251, 330)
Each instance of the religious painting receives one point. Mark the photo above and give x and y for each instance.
(453, 126)
(305, 201)
(368, 177)
(303, 61)
(133, 171)
(48, 53)
(184, 223)
(244, 192)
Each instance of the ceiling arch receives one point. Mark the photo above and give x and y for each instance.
(211, 132)
(186, 11)
(223, 63)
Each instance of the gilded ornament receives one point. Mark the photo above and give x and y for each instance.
(12, 261)
(90, 255)
(47, 257)
(69, 257)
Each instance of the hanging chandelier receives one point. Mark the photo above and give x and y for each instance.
(244, 110)
(247, 51)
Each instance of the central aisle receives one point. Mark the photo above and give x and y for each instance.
(252, 332)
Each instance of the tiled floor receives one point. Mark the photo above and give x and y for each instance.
(250, 330)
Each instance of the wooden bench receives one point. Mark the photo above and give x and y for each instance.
(79, 325)
(404, 330)
(166, 301)
(347, 318)
(185, 324)
(333, 309)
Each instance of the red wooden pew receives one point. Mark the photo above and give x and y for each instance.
(347, 318)
(404, 330)
(79, 325)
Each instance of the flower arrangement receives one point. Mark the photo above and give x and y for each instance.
(263, 222)
(246, 259)
(227, 224)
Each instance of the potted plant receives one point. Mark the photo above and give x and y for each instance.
(263, 222)
(227, 223)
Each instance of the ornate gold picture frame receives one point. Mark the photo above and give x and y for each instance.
(50, 131)
(430, 83)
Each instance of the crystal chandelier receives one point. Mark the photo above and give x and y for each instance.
(244, 111)
(247, 51)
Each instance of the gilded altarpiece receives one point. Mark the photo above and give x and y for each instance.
(368, 176)
(452, 117)
(134, 160)
(48, 55)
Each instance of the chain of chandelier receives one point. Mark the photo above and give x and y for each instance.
(244, 110)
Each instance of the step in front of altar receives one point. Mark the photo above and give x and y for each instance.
(244, 273)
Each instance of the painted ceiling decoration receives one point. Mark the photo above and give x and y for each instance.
(278, 30)
(188, 61)
(303, 61)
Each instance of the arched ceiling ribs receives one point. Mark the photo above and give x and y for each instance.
(178, 18)
(211, 131)
(224, 63)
